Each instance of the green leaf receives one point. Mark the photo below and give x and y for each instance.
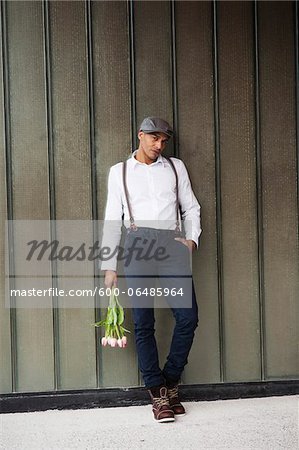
(110, 317)
(117, 331)
(124, 329)
(114, 316)
(121, 315)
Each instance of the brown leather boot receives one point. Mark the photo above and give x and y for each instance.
(174, 402)
(161, 409)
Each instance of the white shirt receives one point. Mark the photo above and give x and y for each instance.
(152, 196)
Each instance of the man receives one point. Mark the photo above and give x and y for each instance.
(146, 193)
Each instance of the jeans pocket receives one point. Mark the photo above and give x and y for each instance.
(182, 245)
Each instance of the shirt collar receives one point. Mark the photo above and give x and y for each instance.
(135, 163)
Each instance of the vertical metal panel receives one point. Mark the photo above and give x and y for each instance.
(218, 206)
(113, 144)
(153, 62)
(259, 193)
(9, 194)
(154, 90)
(238, 191)
(29, 177)
(93, 166)
(52, 192)
(71, 129)
(196, 129)
(7, 363)
(278, 143)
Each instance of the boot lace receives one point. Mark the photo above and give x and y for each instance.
(161, 401)
(173, 392)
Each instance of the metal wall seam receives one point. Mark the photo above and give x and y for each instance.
(130, 15)
(296, 24)
(51, 181)
(93, 168)
(218, 194)
(174, 79)
(259, 193)
(9, 194)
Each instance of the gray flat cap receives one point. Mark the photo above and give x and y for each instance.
(154, 124)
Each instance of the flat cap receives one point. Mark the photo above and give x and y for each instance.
(155, 124)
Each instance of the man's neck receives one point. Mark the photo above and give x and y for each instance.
(141, 157)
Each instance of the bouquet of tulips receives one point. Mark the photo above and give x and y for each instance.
(114, 331)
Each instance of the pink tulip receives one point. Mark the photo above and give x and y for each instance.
(113, 342)
(104, 341)
(120, 342)
(124, 340)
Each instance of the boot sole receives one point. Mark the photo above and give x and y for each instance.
(166, 419)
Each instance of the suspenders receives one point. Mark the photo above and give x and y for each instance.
(132, 223)
(133, 226)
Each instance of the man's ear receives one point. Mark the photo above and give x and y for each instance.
(140, 134)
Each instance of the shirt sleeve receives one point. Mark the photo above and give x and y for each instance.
(190, 207)
(112, 223)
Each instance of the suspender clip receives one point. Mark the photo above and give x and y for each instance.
(133, 226)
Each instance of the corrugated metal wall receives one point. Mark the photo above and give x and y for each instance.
(76, 79)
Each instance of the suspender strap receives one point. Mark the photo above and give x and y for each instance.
(132, 223)
(177, 228)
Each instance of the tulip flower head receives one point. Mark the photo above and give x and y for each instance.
(114, 331)
(113, 342)
(104, 341)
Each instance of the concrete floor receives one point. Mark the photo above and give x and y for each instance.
(259, 423)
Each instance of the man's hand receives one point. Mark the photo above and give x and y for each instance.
(110, 278)
(188, 242)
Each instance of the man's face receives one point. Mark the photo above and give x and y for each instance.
(152, 144)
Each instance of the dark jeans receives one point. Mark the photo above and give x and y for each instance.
(173, 272)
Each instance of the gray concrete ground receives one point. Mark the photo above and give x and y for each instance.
(259, 423)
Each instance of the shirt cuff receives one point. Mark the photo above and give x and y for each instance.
(110, 264)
